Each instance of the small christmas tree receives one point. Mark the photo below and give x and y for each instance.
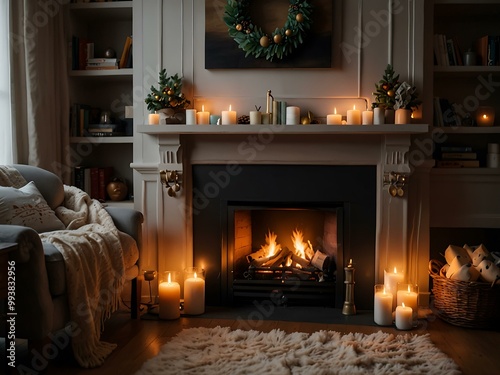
(385, 94)
(169, 95)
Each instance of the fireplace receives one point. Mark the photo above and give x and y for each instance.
(330, 210)
(313, 167)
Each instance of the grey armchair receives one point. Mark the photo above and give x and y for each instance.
(41, 299)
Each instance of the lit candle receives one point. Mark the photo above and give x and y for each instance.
(353, 116)
(409, 297)
(169, 298)
(382, 311)
(228, 117)
(334, 119)
(367, 117)
(292, 115)
(485, 116)
(154, 118)
(404, 320)
(194, 295)
(190, 116)
(391, 281)
(203, 118)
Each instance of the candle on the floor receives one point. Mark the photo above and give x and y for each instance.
(391, 281)
(194, 291)
(408, 294)
(382, 309)
(404, 320)
(169, 293)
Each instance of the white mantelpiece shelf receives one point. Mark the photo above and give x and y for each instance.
(284, 129)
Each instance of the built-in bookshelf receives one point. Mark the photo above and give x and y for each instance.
(100, 87)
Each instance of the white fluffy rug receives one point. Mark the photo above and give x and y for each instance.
(220, 351)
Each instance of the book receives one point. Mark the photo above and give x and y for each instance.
(94, 182)
(125, 53)
(457, 163)
(101, 60)
(105, 175)
(456, 149)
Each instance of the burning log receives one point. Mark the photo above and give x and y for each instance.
(277, 260)
(320, 260)
(299, 260)
(265, 259)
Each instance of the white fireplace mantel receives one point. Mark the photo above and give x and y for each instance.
(168, 237)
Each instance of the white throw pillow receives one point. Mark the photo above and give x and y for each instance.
(27, 207)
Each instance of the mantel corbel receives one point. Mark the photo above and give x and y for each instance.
(395, 164)
(170, 167)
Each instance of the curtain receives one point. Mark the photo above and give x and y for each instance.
(6, 140)
(39, 86)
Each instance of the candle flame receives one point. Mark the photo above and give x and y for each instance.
(229, 106)
(354, 106)
(169, 278)
(195, 276)
(409, 290)
(203, 107)
(485, 116)
(395, 270)
(403, 304)
(335, 111)
(384, 290)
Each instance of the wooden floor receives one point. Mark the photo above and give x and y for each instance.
(475, 351)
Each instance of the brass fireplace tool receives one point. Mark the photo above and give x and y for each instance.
(349, 307)
(172, 181)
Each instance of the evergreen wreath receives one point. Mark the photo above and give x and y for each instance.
(254, 41)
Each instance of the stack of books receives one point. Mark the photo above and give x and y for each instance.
(93, 180)
(457, 157)
(98, 63)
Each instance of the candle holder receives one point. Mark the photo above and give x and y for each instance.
(485, 116)
(169, 292)
(408, 294)
(150, 276)
(194, 291)
(349, 308)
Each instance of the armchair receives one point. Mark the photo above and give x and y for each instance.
(41, 290)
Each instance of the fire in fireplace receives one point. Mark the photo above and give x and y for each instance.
(287, 253)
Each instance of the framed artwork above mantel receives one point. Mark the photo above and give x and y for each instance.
(222, 51)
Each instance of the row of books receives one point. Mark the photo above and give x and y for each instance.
(487, 50)
(447, 113)
(93, 180)
(447, 51)
(82, 56)
(85, 122)
(457, 157)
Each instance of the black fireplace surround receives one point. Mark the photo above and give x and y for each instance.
(349, 189)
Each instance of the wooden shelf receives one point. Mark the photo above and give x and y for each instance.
(284, 129)
(464, 70)
(98, 140)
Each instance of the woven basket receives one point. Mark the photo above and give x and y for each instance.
(465, 304)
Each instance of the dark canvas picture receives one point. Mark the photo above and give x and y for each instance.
(222, 52)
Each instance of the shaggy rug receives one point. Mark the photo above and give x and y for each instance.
(221, 351)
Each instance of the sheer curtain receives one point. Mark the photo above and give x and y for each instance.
(6, 140)
(39, 90)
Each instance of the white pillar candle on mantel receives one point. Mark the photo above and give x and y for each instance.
(203, 118)
(194, 291)
(391, 281)
(154, 118)
(404, 320)
(169, 297)
(367, 118)
(334, 119)
(353, 116)
(255, 117)
(228, 117)
(190, 116)
(292, 115)
(382, 309)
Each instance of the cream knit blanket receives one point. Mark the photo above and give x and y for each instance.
(95, 272)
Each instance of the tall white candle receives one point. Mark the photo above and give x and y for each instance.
(190, 116)
(391, 281)
(334, 119)
(292, 115)
(169, 298)
(228, 117)
(404, 320)
(382, 309)
(194, 295)
(203, 118)
(367, 117)
(353, 116)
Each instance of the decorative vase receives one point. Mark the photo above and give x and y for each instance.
(402, 116)
(389, 116)
(378, 116)
(172, 116)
